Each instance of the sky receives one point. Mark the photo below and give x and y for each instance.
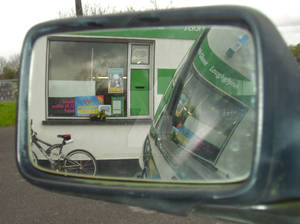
(18, 16)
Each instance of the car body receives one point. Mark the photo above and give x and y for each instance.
(205, 130)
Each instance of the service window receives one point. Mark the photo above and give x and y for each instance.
(87, 77)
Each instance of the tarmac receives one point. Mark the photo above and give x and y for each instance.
(21, 202)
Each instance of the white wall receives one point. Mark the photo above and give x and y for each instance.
(168, 54)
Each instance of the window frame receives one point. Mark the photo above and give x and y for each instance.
(101, 39)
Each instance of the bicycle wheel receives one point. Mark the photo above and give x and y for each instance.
(34, 158)
(80, 161)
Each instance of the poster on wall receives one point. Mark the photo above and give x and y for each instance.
(117, 104)
(115, 80)
(86, 105)
(61, 106)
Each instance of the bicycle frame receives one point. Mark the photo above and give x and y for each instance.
(46, 152)
(62, 163)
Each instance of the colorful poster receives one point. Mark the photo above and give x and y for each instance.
(86, 105)
(101, 99)
(61, 106)
(115, 80)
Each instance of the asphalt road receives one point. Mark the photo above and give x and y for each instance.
(21, 202)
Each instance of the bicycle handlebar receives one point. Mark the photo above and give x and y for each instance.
(66, 137)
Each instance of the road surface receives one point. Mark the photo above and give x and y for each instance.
(21, 202)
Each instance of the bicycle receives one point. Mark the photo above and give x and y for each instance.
(77, 161)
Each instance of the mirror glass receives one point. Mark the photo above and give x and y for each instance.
(160, 103)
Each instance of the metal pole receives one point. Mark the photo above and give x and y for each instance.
(78, 8)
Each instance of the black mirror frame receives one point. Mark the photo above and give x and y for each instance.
(274, 171)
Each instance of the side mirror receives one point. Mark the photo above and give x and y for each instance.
(176, 110)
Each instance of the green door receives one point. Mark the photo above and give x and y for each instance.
(139, 92)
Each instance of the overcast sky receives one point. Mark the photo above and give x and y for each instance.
(17, 16)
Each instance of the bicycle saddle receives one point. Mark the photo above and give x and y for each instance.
(65, 137)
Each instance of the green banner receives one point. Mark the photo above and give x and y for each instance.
(223, 76)
(183, 32)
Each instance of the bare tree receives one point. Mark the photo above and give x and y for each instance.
(98, 9)
(154, 3)
(156, 6)
(88, 10)
(14, 62)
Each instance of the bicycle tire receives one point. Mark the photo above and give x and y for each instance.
(34, 158)
(80, 161)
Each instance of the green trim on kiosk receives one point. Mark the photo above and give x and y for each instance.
(164, 76)
(184, 32)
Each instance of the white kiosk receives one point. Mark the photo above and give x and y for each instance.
(127, 71)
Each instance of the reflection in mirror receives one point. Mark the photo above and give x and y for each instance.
(94, 96)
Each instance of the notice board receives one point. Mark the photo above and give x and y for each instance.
(61, 107)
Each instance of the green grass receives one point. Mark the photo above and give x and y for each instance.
(8, 112)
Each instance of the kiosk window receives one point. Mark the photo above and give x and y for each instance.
(83, 75)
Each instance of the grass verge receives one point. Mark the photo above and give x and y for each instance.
(8, 112)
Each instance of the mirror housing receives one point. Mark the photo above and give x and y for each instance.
(275, 168)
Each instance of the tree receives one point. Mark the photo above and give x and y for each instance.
(296, 51)
(88, 10)
(9, 69)
(78, 7)
(98, 9)
(14, 63)
(156, 6)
